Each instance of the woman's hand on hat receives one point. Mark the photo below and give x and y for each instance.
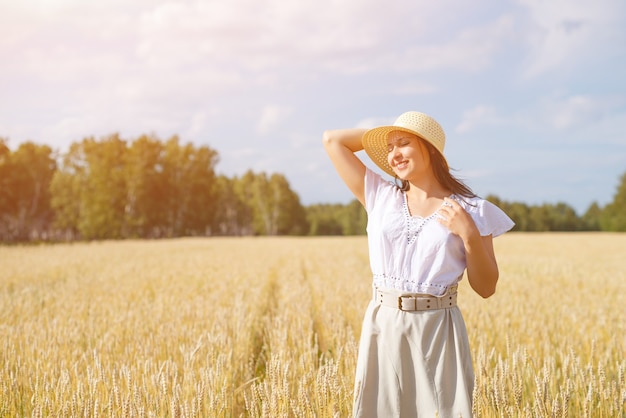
(457, 220)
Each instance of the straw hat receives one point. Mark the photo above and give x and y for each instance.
(416, 123)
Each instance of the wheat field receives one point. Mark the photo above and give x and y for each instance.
(268, 327)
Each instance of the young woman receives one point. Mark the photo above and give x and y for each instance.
(424, 231)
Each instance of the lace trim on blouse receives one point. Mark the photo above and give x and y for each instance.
(415, 224)
(409, 285)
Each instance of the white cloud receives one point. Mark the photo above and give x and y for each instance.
(471, 49)
(476, 117)
(572, 117)
(370, 123)
(610, 129)
(198, 124)
(571, 112)
(243, 36)
(414, 88)
(576, 118)
(564, 33)
(476, 173)
(271, 117)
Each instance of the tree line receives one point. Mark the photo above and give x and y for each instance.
(112, 188)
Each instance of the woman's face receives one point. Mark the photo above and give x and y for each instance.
(407, 155)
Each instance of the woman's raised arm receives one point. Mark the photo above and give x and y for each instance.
(341, 144)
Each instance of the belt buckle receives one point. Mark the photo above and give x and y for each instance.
(411, 301)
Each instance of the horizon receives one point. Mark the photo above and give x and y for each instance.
(371, 165)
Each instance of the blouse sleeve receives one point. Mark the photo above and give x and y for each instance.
(490, 219)
(373, 184)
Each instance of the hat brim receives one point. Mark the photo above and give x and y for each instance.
(375, 145)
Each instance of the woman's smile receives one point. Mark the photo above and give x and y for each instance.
(401, 165)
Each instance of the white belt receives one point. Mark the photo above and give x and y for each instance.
(415, 302)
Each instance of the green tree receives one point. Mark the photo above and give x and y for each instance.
(265, 205)
(539, 218)
(275, 208)
(324, 219)
(563, 218)
(189, 188)
(103, 192)
(145, 181)
(244, 188)
(108, 189)
(354, 218)
(291, 216)
(614, 214)
(203, 191)
(256, 191)
(25, 198)
(518, 212)
(233, 216)
(65, 189)
(6, 189)
(591, 218)
(337, 219)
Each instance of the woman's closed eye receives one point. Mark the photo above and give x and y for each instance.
(402, 142)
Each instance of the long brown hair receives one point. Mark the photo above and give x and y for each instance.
(441, 170)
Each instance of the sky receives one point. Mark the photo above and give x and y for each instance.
(531, 93)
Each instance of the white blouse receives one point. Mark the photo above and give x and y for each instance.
(415, 254)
